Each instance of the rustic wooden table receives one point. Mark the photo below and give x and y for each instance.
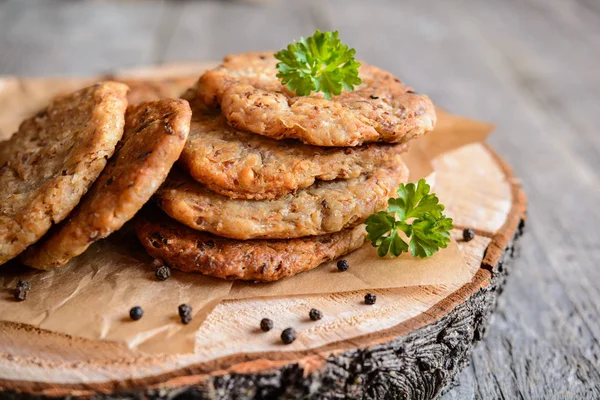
(530, 66)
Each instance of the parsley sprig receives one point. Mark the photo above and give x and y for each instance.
(319, 63)
(428, 229)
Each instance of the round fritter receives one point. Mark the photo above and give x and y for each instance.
(53, 159)
(155, 133)
(252, 98)
(323, 208)
(188, 250)
(237, 164)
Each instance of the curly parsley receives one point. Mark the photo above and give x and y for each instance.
(428, 229)
(319, 63)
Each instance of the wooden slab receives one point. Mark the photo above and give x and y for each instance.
(409, 345)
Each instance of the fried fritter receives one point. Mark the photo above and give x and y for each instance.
(237, 164)
(326, 207)
(188, 250)
(252, 98)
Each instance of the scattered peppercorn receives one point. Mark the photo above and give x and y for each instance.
(288, 335)
(468, 234)
(22, 290)
(370, 299)
(185, 313)
(266, 324)
(184, 309)
(163, 273)
(373, 97)
(136, 313)
(342, 265)
(315, 314)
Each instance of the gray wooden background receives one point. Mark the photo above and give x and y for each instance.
(530, 66)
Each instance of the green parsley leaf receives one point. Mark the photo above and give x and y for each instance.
(429, 229)
(319, 63)
(379, 224)
(398, 245)
(429, 235)
(414, 201)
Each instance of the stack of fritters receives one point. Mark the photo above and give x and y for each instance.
(271, 184)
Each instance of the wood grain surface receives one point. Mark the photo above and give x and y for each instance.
(529, 66)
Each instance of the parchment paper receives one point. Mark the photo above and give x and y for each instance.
(367, 271)
(91, 296)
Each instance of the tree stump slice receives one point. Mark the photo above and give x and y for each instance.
(411, 344)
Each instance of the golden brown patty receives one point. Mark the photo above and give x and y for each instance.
(325, 207)
(53, 159)
(188, 250)
(155, 133)
(252, 98)
(237, 164)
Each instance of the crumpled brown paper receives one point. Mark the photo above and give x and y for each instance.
(91, 296)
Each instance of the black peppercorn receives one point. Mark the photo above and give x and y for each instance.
(136, 313)
(468, 234)
(370, 298)
(184, 309)
(266, 324)
(315, 314)
(342, 265)
(288, 335)
(373, 97)
(163, 273)
(22, 290)
(185, 313)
